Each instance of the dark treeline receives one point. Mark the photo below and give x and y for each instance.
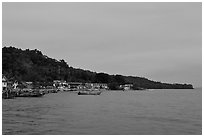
(32, 65)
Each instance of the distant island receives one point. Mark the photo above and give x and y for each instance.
(32, 65)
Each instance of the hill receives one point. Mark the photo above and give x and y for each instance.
(32, 65)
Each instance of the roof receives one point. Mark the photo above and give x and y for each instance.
(4, 79)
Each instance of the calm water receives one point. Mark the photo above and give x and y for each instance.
(113, 112)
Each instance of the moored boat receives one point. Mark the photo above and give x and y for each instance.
(30, 95)
(89, 92)
(34, 93)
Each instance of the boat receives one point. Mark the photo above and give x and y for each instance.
(30, 95)
(33, 93)
(89, 92)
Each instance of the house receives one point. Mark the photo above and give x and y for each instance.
(59, 83)
(28, 85)
(89, 85)
(8, 84)
(74, 85)
(100, 85)
(4, 83)
(96, 85)
(15, 84)
(126, 86)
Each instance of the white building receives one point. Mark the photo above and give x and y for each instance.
(126, 86)
(4, 83)
(97, 85)
(59, 83)
(15, 84)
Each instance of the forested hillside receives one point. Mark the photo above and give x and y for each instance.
(32, 65)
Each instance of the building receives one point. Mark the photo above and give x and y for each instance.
(74, 85)
(28, 85)
(4, 83)
(78, 85)
(96, 85)
(100, 85)
(15, 84)
(60, 84)
(126, 86)
(8, 84)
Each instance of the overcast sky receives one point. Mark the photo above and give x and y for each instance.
(159, 41)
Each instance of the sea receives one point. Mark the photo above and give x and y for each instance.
(145, 112)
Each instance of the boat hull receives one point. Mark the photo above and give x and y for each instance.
(30, 95)
(89, 93)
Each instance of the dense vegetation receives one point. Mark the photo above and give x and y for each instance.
(32, 65)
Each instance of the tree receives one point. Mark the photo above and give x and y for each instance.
(119, 79)
(32, 65)
(113, 86)
(102, 78)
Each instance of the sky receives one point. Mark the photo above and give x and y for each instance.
(158, 41)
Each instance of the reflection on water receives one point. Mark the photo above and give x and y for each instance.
(113, 112)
